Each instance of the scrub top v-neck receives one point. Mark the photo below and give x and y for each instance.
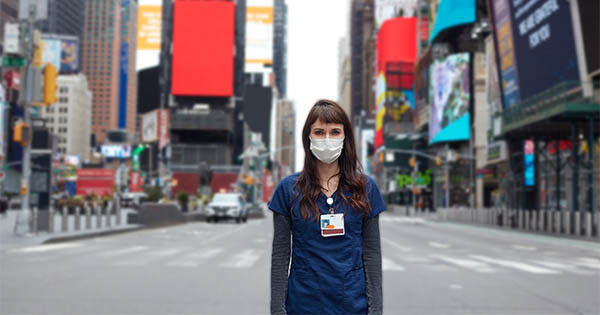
(326, 274)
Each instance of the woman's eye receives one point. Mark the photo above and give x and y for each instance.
(319, 132)
(335, 132)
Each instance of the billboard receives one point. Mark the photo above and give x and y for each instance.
(149, 27)
(529, 163)
(530, 36)
(97, 181)
(203, 58)
(451, 13)
(61, 51)
(117, 151)
(450, 97)
(155, 126)
(259, 32)
(123, 86)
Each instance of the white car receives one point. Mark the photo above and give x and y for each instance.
(226, 206)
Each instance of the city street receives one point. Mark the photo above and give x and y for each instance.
(201, 268)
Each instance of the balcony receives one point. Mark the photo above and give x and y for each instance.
(190, 120)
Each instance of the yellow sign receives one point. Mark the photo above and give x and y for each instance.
(149, 27)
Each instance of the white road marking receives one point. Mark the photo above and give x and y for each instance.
(45, 248)
(515, 265)
(409, 220)
(525, 248)
(196, 258)
(438, 245)
(466, 263)
(245, 259)
(588, 262)
(122, 251)
(396, 245)
(568, 268)
(456, 286)
(413, 259)
(390, 265)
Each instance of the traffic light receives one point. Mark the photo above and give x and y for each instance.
(21, 133)
(438, 160)
(50, 76)
(412, 162)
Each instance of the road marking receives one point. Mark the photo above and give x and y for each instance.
(466, 263)
(456, 286)
(45, 248)
(568, 268)
(408, 220)
(413, 259)
(525, 248)
(389, 265)
(149, 257)
(438, 245)
(515, 265)
(245, 259)
(122, 251)
(588, 262)
(396, 245)
(196, 258)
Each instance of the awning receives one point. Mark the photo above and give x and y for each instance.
(452, 13)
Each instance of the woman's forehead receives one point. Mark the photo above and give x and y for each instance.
(323, 125)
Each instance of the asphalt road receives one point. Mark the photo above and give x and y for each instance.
(200, 268)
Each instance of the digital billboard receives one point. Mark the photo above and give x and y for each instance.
(62, 51)
(118, 151)
(387, 9)
(529, 163)
(450, 97)
(451, 13)
(536, 51)
(149, 27)
(259, 32)
(203, 38)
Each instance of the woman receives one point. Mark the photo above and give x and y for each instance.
(331, 209)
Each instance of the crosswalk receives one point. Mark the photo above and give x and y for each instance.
(396, 258)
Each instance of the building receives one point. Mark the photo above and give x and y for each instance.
(101, 51)
(65, 17)
(362, 50)
(9, 13)
(70, 119)
(344, 74)
(280, 46)
(285, 152)
(127, 72)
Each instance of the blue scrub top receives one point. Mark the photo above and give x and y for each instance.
(327, 274)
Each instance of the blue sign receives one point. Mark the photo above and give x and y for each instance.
(123, 87)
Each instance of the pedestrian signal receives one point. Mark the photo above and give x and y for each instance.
(412, 162)
(21, 133)
(438, 160)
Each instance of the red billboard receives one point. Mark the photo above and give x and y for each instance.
(203, 39)
(135, 182)
(98, 181)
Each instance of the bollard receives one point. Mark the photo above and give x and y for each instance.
(567, 222)
(588, 224)
(520, 219)
(51, 220)
(88, 216)
(98, 215)
(34, 221)
(64, 218)
(577, 231)
(77, 218)
(108, 213)
(117, 205)
(526, 219)
(557, 221)
(597, 215)
(533, 220)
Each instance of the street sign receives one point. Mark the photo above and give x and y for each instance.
(13, 61)
(11, 38)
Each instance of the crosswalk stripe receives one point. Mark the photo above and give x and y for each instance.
(196, 258)
(245, 259)
(588, 262)
(45, 248)
(466, 263)
(388, 264)
(515, 265)
(438, 245)
(122, 251)
(568, 268)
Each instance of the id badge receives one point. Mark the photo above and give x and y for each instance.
(332, 224)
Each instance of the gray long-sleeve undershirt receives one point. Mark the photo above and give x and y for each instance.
(280, 261)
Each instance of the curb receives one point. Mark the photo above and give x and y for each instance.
(68, 238)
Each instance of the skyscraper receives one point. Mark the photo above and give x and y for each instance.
(65, 17)
(101, 51)
(280, 46)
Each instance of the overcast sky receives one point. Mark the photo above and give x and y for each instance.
(315, 28)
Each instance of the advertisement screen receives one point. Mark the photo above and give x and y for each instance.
(95, 181)
(51, 51)
(149, 27)
(259, 32)
(450, 97)
(123, 86)
(387, 9)
(451, 13)
(203, 58)
(69, 62)
(529, 164)
(119, 151)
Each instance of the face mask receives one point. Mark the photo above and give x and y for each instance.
(326, 150)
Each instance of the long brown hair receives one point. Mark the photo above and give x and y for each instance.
(351, 178)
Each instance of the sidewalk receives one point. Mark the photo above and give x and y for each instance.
(8, 239)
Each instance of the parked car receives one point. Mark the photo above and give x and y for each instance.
(226, 206)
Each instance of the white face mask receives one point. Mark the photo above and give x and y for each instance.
(326, 150)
